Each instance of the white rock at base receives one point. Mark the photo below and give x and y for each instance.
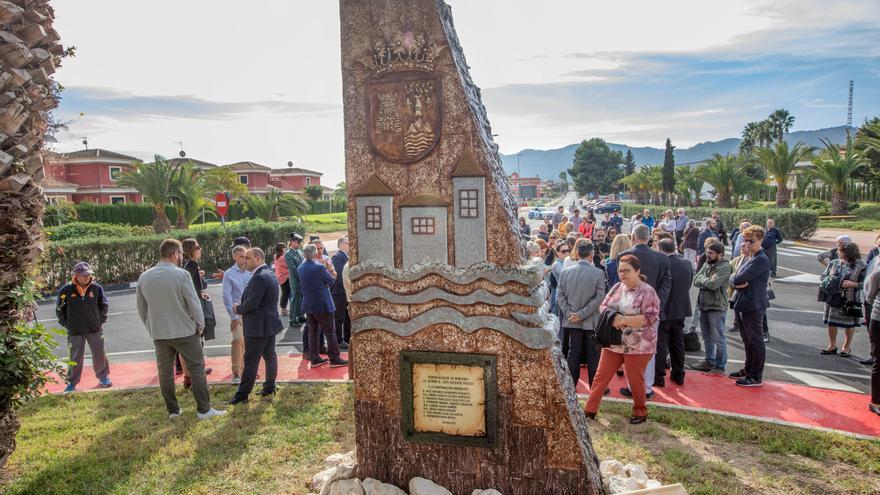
(489, 491)
(610, 467)
(351, 486)
(337, 459)
(621, 484)
(376, 487)
(653, 484)
(329, 475)
(421, 486)
(321, 479)
(635, 472)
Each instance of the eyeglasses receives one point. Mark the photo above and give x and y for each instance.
(624, 270)
(750, 241)
(566, 251)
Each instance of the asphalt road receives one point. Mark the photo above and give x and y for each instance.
(795, 320)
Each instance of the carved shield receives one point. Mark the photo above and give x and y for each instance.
(405, 115)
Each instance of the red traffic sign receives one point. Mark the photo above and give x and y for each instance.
(222, 204)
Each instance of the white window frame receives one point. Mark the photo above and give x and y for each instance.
(56, 199)
(245, 177)
(111, 172)
(308, 181)
(123, 198)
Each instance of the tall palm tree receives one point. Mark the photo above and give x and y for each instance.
(276, 204)
(835, 169)
(223, 179)
(28, 59)
(188, 194)
(688, 185)
(802, 182)
(779, 161)
(781, 122)
(749, 137)
(721, 173)
(764, 133)
(653, 177)
(155, 182)
(637, 186)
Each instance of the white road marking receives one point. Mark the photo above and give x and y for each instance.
(820, 381)
(800, 249)
(791, 254)
(777, 352)
(864, 376)
(44, 320)
(803, 278)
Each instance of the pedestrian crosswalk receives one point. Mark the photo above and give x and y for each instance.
(797, 251)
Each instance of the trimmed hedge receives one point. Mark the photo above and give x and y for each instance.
(122, 259)
(794, 223)
(74, 230)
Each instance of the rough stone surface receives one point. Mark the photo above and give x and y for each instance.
(376, 487)
(346, 487)
(416, 134)
(421, 486)
(486, 492)
(340, 458)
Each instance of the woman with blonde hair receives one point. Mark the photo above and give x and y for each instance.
(573, 257)
(621, 243)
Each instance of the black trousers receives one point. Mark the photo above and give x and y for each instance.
(254, 349)
(285, 294)
(771, 253)
(341, 319)
(752, 332)
(670, 340)
(874, 334)
(582, 343)
(322, 322)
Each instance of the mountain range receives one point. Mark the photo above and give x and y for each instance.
(548, 163)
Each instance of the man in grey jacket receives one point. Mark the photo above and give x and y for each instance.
(169, 307)
(581, 290)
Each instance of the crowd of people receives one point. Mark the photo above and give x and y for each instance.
(638, 284)
(301, 282)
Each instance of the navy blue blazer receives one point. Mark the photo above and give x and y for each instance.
(755, 271)
(678, 306)
(339, 260)
(259, 305)
(315, 282)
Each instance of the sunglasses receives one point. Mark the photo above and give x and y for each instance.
(750, 241)
(565, 250)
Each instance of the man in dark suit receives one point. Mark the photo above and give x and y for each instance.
(259, 314)
(749, 306)
(340, 300)
(316, 280)
(670, 333)
(655, 267)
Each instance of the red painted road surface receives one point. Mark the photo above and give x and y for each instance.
(775, 401)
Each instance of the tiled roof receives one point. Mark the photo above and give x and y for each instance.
(248, 166)
(96, 153)
(196, 163)
(294, 171)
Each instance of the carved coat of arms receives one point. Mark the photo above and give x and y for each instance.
(405, 107)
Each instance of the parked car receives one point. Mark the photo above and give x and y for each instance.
(540, 213)
(607, 208)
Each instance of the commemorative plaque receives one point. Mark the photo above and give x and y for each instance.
(448, 397)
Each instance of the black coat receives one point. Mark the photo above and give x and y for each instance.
(259, 305)
(82, 315)
(678, 306)
(339, 259)
(655, 268)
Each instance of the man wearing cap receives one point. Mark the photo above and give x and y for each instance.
(827, 256)
(294, 257)
(234, 281)
(82, 309)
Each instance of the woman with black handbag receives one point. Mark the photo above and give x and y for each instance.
(192, 253)
(846, 311)
(636, 311)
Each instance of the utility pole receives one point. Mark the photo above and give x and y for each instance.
(849, 107)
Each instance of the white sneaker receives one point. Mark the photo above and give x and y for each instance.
(211, 413)
(176, 415)
(236, 379)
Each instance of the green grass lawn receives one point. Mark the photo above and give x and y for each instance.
(326, 222)
(122, 442)
(857, 224)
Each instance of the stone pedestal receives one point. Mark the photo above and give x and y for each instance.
(440, 279)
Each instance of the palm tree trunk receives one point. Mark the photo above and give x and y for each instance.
(723, 199)
(839, 203)
(161, 223)
(783, 195)
(27, 63)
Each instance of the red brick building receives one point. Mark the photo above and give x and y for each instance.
(525, 187)
(294, 179)
(88, 176)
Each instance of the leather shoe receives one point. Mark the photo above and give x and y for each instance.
(874, 409)
(867, 362)
(208, 371)
(267, 396)
(660, 381)
(637, 420)
(237, 400)
(678, 381)
(590, 415)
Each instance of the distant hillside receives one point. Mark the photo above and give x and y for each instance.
(548, 163)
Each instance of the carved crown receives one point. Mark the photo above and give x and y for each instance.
(407, 51)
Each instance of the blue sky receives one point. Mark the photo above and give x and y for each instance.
(237, 84)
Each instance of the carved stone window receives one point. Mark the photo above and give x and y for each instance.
(467, 203)
(374, 217)
(423, 225)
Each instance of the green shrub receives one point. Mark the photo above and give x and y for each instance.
(122, 259)
(324, 206)
(55, 215)
(850, 207)
(794, 223)
(867, 212)
(821, 207)
(75, 230)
